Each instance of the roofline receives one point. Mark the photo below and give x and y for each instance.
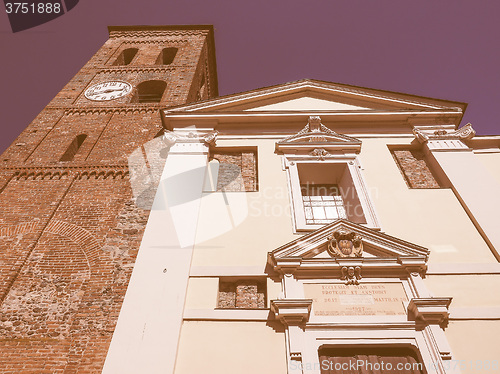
(160, 27)
(435, 104)
(460, 104)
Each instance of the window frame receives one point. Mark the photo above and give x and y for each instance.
(291, 163)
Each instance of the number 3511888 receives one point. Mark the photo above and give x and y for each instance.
(39, 8)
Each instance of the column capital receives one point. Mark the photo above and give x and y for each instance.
(440, 139)
(190, 140)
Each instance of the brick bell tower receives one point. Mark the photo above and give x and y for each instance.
(69, 225)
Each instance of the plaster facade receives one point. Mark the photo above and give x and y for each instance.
(262, 229)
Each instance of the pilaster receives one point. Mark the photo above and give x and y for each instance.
(147, 333)
(480, 200)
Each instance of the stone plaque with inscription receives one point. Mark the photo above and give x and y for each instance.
(368, 299)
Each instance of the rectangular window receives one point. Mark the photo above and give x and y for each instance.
(322, 203)
(328, 193)
(242, 293)
(324, 191)
(232, 170)
(415, 168)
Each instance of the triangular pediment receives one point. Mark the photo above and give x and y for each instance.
(310, 95)
(316, 134)
(308, 103)
(375, 247)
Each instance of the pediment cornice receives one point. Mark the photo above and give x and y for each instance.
(379, 98)
(316, 137)
(348, 245)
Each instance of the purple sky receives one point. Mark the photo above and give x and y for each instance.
(442, 49)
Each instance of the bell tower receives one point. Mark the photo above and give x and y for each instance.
(69, 225)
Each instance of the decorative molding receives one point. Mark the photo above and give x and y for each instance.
(319, 153)
(442, 139)
(170, 42)
(309, 83)
(345, 244)
(206, 137)
(137, 69)
(126, 108)
(156, 33)
(429, 311)
(414, 265)
(292, 312)
(314, 134)
(382, 245)
(351, 274)
(77, 172)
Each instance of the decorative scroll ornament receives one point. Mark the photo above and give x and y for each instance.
(320, 153)
(314, 126)
(464, 133)
(170, 137)
(345, 244)
(316, 132)
(351, 274)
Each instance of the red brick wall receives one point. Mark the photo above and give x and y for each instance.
(70, 231)
(237, 170)
(242, 293)
(414, 167)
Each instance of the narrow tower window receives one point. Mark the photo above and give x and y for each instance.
(126, 56)
(73, 148)
(149, 92)
(166, 56)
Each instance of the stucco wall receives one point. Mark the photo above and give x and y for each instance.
(432, 218)
(230, 347)
(474, 346)
(492, 163)
(238, 228)
(467, 290)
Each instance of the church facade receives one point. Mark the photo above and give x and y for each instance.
(150, 226)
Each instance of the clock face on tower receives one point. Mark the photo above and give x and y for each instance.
(108, 90)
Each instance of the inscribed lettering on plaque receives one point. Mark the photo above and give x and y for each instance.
(369, 299)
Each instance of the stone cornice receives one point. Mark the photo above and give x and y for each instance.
(139, 69)
(375, 254)
(429, 311)
(126, 108)
(308, 83)
(327, 268)
(168, 41)
(424, 135)
(60, 172)
(207, 136)
(158, 31)
(292, 312)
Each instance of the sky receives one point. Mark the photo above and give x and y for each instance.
(441, 48)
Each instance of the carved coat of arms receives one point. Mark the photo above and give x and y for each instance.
(345, 244)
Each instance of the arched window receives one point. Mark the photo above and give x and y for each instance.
(149, 92)
(73, 148)
(166, 56)
(126, 56)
